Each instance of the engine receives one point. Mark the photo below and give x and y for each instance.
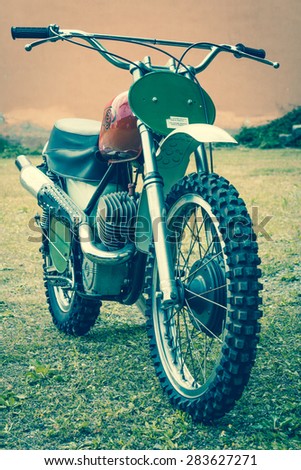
(116, 219)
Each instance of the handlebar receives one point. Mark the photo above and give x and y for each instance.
(33, 32)
(249, 50)
(54, 33)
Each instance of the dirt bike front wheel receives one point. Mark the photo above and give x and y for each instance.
(204, 348)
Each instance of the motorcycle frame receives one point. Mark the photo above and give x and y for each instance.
(152, 200)
(153, 184)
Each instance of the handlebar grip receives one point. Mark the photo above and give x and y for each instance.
(251, 51)
(32, 32)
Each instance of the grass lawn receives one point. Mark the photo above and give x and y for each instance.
(100, 391)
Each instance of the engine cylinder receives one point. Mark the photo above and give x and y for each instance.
(116, 218)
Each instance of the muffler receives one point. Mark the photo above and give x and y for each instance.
(32, 179)
(50, 197)
(53, 199)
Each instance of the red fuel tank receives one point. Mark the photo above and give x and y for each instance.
(119, 137)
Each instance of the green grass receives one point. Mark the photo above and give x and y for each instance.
(100, 391)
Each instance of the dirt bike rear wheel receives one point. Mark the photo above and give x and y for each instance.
(71, 313)
(204, 348)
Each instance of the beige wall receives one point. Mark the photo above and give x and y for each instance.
(57, 80)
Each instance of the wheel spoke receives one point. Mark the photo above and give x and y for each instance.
(189, 344)
(199, 334)
(189, 340)
(192, 243)
(207, 348)
(201, 324)
(206, 299)
(179, 342)
(195, 237)
(179, 250)
(168, 320)
(207, 291)
(210, 245)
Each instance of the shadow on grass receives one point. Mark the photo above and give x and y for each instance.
(117, 334)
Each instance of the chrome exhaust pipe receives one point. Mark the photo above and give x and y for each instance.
(32, 179)
(95, 254)
(39, 185)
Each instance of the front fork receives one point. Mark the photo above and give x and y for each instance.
(153, 184)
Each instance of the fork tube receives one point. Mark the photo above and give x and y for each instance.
(153, 184)
(201, 159)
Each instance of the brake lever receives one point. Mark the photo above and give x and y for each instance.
(275, 65)
(53, 36)
(30, 46)
(240, 54)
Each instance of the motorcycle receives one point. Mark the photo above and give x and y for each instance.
(183, 248)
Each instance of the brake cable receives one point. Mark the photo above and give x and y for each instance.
(171, 56)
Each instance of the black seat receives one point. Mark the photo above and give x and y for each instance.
(72, 150)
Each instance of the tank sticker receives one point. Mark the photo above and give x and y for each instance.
(109, 117)
(176, 121)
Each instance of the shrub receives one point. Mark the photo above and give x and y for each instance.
(267, 135)
(10, 148)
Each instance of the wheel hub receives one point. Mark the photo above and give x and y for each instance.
(206, 295)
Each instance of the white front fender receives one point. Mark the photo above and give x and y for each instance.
(173, 157)
(175, 150)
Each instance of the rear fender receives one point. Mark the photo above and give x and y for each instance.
(172, 158)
